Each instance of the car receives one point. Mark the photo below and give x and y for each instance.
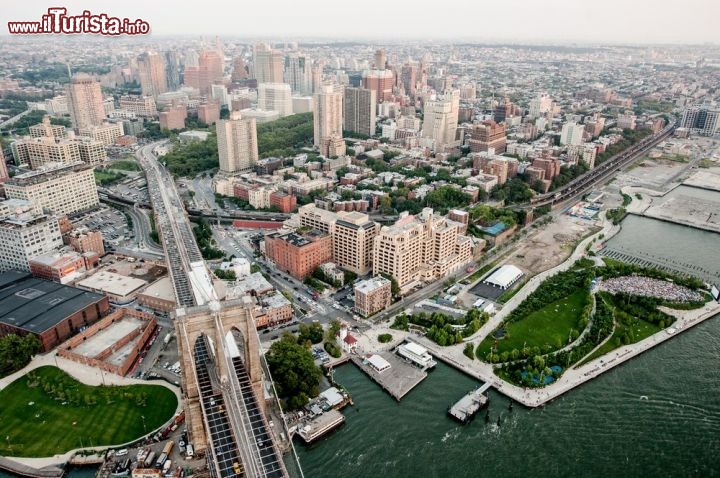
(122, 452)
(260, 443)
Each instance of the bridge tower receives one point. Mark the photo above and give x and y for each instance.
(215, 321)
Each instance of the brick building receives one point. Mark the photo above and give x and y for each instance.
(298, 255)
(52, 312)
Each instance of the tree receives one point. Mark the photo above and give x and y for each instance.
(385, 204)
(384, 338)
(293, 370)
(312, 333)
(16, 351)
(469, 351)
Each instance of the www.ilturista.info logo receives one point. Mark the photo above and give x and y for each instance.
(58, 22)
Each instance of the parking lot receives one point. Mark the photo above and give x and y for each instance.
(111, 222)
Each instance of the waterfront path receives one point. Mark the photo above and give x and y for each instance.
(573, 377)
(89, 376)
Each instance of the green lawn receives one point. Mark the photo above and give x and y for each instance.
(105, 178)
(550, 325)
(67, 414)
(125, 165)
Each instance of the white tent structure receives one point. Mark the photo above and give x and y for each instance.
(504, 276)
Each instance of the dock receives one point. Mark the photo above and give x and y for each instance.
(398, 379)
(28, 471)
(312, 429)
(466, 408)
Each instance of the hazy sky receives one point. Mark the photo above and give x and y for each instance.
(613, 21)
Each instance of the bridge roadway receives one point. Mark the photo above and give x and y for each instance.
(582, 184)
(237, 434)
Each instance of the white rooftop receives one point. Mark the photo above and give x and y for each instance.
(504, 276)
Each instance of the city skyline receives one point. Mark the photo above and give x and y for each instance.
(610, 22)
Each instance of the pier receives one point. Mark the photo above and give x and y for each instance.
(466, 408)
(28, 471)
(398, 379)
(314, 428)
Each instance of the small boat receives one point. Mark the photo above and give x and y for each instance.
(644, 397)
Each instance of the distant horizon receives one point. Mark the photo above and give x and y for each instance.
(207, 37)
(614, 22)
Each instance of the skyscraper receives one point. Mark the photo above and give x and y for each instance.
(85, 102)
(408, 77)
(298, 73)
(172, 70)
(327, 117)
(267, 64)
(151, 68)
(209, 71)
(275, 97)
(441, 119)
(239, 72)
(380, 60)
(359, 111)
(237, 144)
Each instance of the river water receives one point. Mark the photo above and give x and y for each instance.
(603, 428)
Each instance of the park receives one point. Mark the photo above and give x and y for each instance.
(584, 313)
(47, 412)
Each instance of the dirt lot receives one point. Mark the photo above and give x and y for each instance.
(551, 245)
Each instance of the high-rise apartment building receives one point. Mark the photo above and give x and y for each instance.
(64, 189)
(239, 70)
(173, 117)
(237, 144)
(298, 74)
(380, 59)
(701, 119)
(91, 151)
(441, 119)
(25, 235)
(488, 135)
(359, 111)
(352, 235)
(47, 130)
(327, 116)
(37, 152)
(572, 134)
(408, 78)
(504, 110)
(142, 106)
(381, 81)
(425, 247)
(172, 70)
(153, 77)
(209, 70)
(267, 64)
(275, 97)
(209, 112)
(106, 133)
(540, 106)
(85, 102)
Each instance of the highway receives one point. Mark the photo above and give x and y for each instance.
(604, 171)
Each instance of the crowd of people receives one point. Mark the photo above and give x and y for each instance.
(648, 287)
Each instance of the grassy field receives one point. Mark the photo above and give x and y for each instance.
(48, 412)
(125, 165)
(549, 325)
(105, 178)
